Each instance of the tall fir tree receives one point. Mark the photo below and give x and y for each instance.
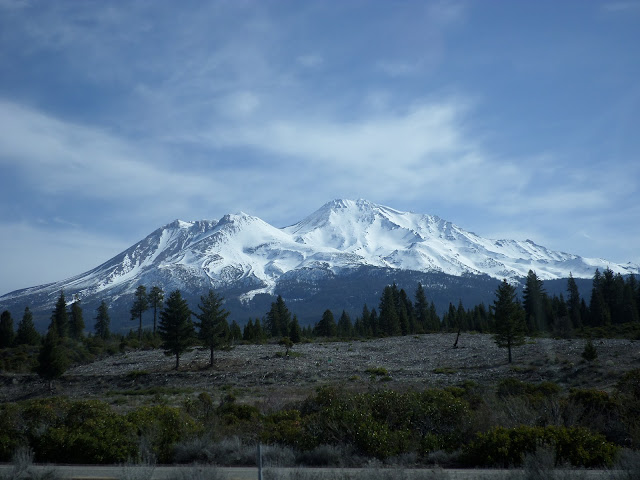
(140, 305)
(295, 333)
(7, 335)
(278, 319)
(248, 332)
(326, 327)
(630, 307)
(389, 320)
(103, 321)
(27, 333)
(421, 308)
(76, 322)
(213, 327)
(156, 298)
(52, 358)
(573, 302)
(235, 333)
(599, 314)
(175, 327)
(434, 320)
(345, 327)
(509, 318)
(533, 303)
(60, 317)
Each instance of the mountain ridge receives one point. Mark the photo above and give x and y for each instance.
(242, 254)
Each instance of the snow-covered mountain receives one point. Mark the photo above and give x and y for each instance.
(246, 256)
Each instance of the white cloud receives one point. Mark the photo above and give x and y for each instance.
(60, 157)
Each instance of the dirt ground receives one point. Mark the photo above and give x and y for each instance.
(260, 374)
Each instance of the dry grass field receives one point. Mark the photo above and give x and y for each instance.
(262, 375)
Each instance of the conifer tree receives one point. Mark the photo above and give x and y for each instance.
(573, 302)
(630, 308)
(374, 320)
(103, 321)
(175, 327)
(235, 334)
(52, 359)
(533, 303)
(27, 333)
(156, 297)
(60, 318)
(508, 317)
(7, 334)
(76, 322)
(363, 327)
(434, 321)
(599, 314)
(326, 327)
(140, 305)
(248, 333)
(389, 320)
(295, 333)
(278, 319)
(213, 327)
(422, 309)
(260, 334)
(345, 328)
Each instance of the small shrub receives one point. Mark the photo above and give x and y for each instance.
(589, 353)
(508, 447)
(444, 370)
(377, 371)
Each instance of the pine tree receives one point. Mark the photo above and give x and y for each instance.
(421, 308)
(27, 333)
(7, 336)
(630, 307)
(508, 317)
(140, 305)
(248, 333)
(389, 320)
(278, 319)
(175, 328)
(326, 327)
(52, 359)
(76, 322)
(345, 328)
(235, 334)
(599, 313)
(434, 321)
(156, 298)
(260, 334)
(213, 327)
(573, 302)
(533, 303)
(295, 334)
(103, 321)
(60, 318)
(364, 328)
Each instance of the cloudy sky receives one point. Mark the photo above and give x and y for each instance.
(512, 119)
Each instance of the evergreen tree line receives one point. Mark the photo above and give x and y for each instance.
(614, 300)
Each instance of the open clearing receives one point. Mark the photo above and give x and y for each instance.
(260, 374)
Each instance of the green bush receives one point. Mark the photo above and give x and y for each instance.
(85, 432)
(507, 447)
(10, 430)
(162, 427)
(514, 387)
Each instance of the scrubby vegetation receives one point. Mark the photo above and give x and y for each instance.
(502, 423)
(465, 426)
